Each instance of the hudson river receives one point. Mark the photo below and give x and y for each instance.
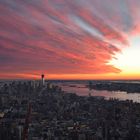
(80, 89)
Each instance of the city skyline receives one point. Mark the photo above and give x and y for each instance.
(65, 39)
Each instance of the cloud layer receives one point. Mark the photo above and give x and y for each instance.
(64, 36)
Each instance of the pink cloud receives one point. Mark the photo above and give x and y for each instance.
(62, 37)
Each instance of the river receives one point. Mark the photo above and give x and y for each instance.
(82, 90)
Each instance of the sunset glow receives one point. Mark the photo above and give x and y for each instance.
(128, 60)
(66, 39)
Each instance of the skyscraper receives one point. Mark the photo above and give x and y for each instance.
(42, 79)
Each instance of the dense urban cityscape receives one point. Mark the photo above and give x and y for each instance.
(39, 110)
(69, 69)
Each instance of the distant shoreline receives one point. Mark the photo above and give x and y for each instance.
(106, 80)
(129, 87)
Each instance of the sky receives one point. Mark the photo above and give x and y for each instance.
(70, 39)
